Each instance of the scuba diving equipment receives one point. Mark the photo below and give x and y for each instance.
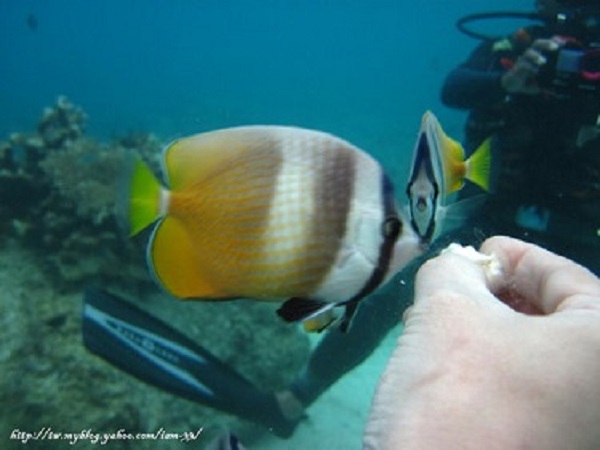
(579, 20)
(573, 70)
(463, 22)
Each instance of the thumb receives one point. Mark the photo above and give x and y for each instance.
(542, 280)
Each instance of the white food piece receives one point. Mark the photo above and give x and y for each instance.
(489, 263)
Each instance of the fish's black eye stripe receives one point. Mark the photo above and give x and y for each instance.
(392, 227)
(385, 252)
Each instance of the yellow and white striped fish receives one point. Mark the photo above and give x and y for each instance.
(271, 213)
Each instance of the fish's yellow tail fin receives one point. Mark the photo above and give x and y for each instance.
(479, 165)
(141, 196)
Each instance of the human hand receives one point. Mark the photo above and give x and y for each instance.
(522, 77)
(472, 372)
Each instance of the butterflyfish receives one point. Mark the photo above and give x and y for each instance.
(439, 169)
(271, 213)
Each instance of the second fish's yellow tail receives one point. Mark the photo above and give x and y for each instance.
(479, 165)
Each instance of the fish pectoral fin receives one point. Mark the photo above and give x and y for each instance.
(346, 320)
(321, 320)
(456, 214)
(308, 310)
(298, 309)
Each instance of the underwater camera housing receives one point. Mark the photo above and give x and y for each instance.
(574, 70)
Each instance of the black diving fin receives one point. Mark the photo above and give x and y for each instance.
(149, 349)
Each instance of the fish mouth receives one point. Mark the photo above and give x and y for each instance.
(407, 248)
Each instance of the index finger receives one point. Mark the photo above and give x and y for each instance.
(547, 281)
(451, 278)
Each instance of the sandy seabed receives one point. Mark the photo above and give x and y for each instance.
(336, 421)
(50, 380)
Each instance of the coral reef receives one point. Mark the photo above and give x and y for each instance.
(85, 175)
(58, 190)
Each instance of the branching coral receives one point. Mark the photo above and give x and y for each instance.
(86, 175)
(61, 124)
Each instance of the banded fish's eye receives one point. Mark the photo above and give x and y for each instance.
(392, 227)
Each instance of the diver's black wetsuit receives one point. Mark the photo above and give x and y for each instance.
(547, 191)
(547, 187)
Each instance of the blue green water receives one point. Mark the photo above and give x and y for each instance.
(365, 70)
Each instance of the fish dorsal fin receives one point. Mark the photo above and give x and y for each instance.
(204, 155)
(453, 157)
(452, 150)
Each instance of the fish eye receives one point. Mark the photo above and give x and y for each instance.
(391, 227)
